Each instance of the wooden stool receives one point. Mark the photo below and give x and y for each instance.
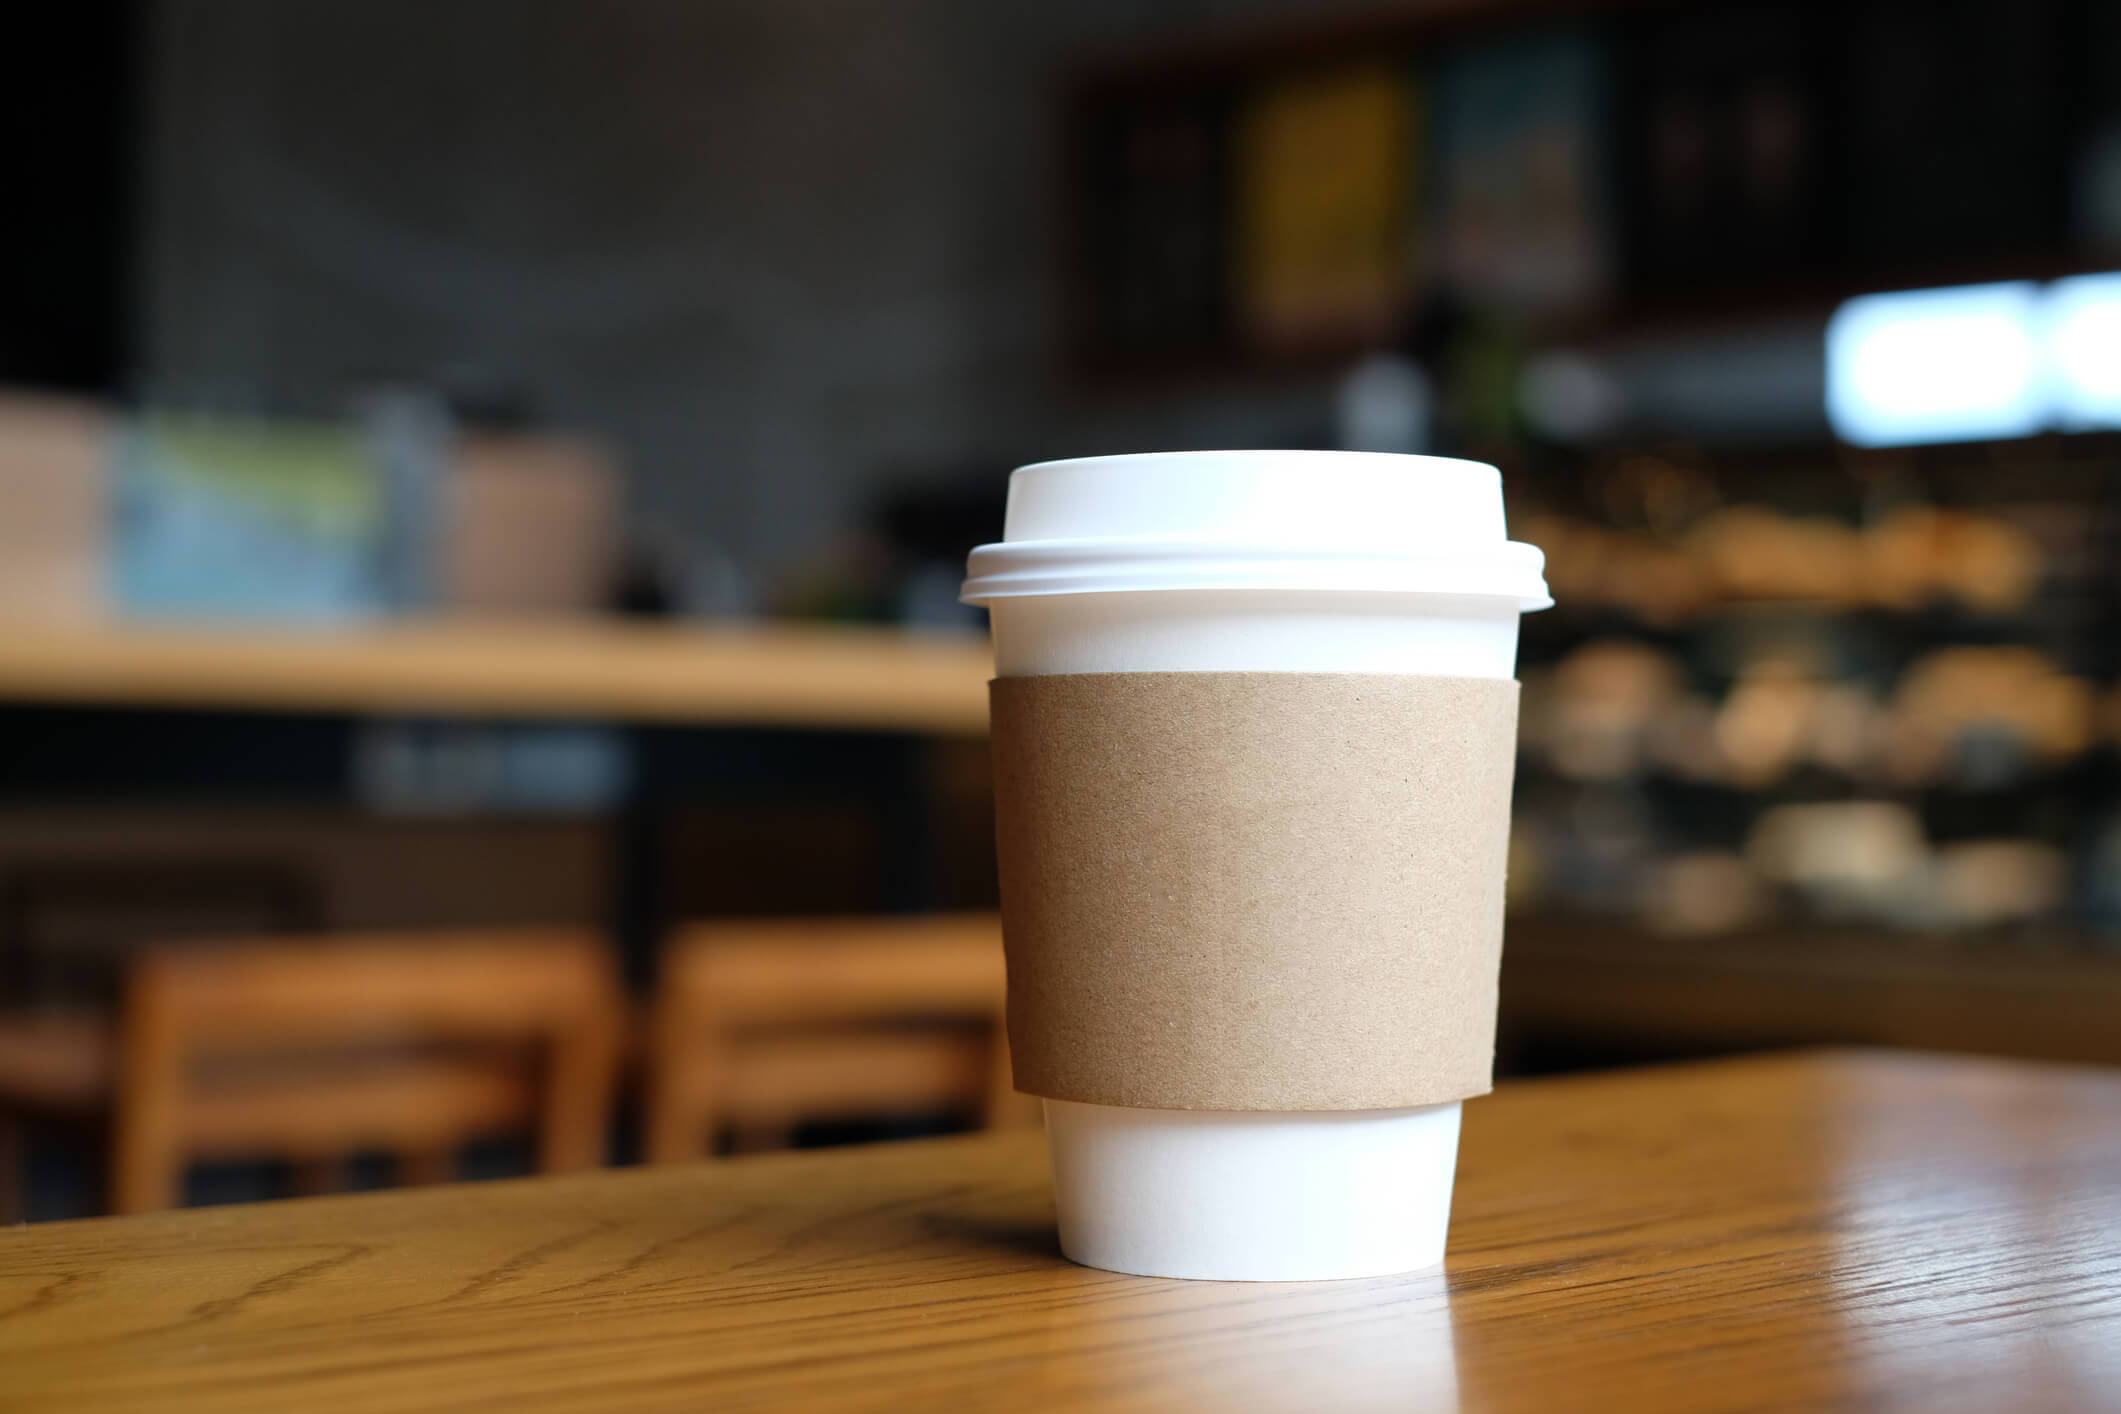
(762, 1025)
(312, 1050)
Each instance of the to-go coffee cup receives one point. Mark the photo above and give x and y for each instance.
(1252, 816)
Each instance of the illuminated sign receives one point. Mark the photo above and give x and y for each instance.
(2080, 328)
(1975, 362)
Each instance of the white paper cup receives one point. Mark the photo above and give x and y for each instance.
(1255, 562)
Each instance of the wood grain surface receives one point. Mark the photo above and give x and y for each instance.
(749, 675)
(1825, 1231)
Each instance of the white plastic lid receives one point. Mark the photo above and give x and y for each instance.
(1257, 520)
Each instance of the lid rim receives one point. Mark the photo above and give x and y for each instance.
(1025, 569)
(1099, 547)
(1525, 603)
(1320, 456)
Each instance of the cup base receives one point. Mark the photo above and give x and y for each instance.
(1218, 1196)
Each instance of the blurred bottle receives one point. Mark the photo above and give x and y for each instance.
(1385, 403)
(410, 436)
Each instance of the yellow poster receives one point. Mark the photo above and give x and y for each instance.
(1325, 167)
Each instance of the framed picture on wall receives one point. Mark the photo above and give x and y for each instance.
(1521, 202)
(1326, 163)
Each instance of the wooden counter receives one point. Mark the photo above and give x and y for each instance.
(1820, 1231)
(1610, 990)
(850, 677)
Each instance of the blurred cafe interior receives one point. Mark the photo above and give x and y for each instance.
(484, 488)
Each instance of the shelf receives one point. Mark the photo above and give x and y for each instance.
(1603, 985)
(734, 675)
(1685, 256)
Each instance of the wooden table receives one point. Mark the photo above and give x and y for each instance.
(1827, 1230)
(741, 675)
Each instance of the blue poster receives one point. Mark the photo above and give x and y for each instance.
(224, 518)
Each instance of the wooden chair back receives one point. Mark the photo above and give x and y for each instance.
(763, 1025)
(315, 1049)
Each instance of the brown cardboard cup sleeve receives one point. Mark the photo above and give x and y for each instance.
(1253, 891)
